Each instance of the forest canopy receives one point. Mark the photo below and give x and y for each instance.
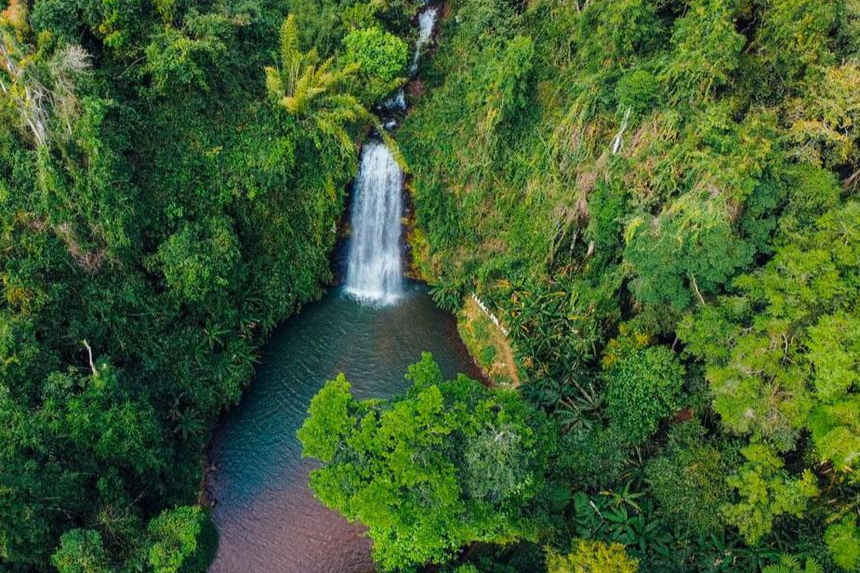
(448, 464)
(658, 199)
(171, 177)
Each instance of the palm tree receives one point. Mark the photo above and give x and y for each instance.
(311, 90)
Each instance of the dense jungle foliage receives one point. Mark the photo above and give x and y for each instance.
(171, 175)
(659, 199)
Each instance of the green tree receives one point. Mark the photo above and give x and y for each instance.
(835, 431)
(637, 91)
(619, 32)
(707, 49)
(179, 59)
(380, 59)
(122, 27)
(81, 551)
(643, 387)
(843, 541)
(688, 481)
(686, 253)
(173, 538)
(795, 36)
(766, 492)
(760, 347)
(595, 458)
(200, 258)
(825, 118)
(449, 464)
(102, 418)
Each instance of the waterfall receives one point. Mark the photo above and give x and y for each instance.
(426, 21)
(374, 269)
(397, 102)
(374, 272)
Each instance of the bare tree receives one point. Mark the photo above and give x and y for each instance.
(38, 87)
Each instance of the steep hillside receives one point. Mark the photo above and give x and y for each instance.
(171, 175)
(659, 201)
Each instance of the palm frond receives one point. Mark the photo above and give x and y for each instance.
(290, 52)
(274, 83)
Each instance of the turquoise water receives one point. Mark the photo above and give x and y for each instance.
(268, 520)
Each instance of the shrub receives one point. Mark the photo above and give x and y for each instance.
(504, 85)
(593, 557)
(643, 388)
(81, 551)
(638, 92)
(843, 541)
(688, 480)
(594, 458)
(766, 492)
(174, 538)
(199, 259)
(381, 58)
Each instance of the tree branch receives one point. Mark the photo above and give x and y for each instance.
(90, 354)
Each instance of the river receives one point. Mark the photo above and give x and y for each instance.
(371, 329)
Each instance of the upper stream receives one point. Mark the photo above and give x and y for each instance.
(372, 329)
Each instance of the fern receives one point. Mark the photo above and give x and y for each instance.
(792, 564)
(779, 568)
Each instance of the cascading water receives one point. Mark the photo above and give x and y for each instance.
(426, 21)
(397, 102)
(374, 268)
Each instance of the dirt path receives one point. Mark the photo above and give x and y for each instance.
(504, 366)
(508, 354)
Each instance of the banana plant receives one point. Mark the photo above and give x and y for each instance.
(728, 554)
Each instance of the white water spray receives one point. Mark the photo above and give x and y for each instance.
(374, 268)
(426, 21)
(397, 102)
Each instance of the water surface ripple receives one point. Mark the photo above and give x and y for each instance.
(268, 520)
